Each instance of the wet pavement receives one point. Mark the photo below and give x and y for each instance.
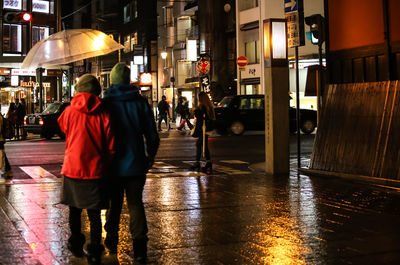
(231, 217)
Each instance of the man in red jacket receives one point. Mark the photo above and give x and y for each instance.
(89, 146)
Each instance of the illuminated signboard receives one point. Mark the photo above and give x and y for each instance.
(12, 4)
(146, 79)
(191, 50)
(40, 6)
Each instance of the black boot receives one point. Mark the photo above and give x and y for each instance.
(94, 253)
(195, 167)
(75, 245)
(140, 250)
(207, 168)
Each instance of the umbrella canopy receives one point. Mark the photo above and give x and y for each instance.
(68, 46)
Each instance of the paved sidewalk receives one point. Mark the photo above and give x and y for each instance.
(221, 219)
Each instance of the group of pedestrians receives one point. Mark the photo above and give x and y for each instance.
(204, 117)
(15, 116)
(110, 146)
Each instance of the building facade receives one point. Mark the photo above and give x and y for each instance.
(16, 39)
(189, 31)
(249, 20)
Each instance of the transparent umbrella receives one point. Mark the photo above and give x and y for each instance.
(68, 46)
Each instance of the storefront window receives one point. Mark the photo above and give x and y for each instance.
(41, 6)
(12, 38)
(251, 89)
(39, 33)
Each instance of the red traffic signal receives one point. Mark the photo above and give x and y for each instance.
(17, 17)
(26, 17)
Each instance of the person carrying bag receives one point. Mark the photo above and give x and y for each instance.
(205, 116)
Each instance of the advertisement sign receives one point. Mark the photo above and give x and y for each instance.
(40, 6)
(146, 79)
(191, 50)
(12, 4)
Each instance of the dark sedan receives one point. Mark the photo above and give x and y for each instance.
(45, 123)
(236, 114)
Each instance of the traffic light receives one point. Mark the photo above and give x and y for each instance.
(17, 17)
(317, 27)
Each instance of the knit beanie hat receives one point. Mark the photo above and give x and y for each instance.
(120, 74)
(88, 83)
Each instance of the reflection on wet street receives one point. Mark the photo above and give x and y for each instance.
(220, 219)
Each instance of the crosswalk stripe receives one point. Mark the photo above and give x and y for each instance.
(37, 172)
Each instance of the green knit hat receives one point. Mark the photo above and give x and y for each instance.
(120, 74)
(88, 83)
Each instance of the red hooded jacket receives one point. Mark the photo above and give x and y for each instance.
(89, 142)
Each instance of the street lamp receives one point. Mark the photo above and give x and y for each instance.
(275, 42)
(164, 55)
(276, 83)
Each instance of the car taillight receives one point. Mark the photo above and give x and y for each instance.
(41, 122)
(24, 122)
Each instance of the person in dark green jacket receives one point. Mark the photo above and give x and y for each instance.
(132, 121)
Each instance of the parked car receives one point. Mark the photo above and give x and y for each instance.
(236, 114)
(45, 123)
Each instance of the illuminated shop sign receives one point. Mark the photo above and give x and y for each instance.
(33, 84)
(26, 72)
(146, 79)
(12, 4)
(5, 71)
(40, 6)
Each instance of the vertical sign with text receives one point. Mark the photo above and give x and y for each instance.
(294, 14)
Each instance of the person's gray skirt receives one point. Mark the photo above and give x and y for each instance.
(84, 194)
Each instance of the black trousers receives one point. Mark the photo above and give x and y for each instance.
(8, 166)
(162, 117)
(95, 224)
(133, 188)
(199, 148)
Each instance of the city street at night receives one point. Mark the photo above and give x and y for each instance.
(233, 216)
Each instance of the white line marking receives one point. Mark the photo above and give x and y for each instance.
(37, 172)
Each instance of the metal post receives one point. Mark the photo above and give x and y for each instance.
(39, 79)
(319, 82)
(296, 49)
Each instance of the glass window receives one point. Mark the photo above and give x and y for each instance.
(12, 38)
(127, 13)
(134, 40)
(135, 12)
(127, 43)
(39, 33)
(256, 103)
(52, 108)
(169, 16)
(224, 103)
(244, 103)
(251, 52)
(247, 4)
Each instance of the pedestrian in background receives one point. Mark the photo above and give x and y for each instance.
(205, 116)
(163, 113)
(21, 112)
(12, 117)
(185, 114)
(134, 124)
(5, 168)
(89, 146)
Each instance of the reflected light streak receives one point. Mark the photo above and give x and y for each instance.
(282, 243)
